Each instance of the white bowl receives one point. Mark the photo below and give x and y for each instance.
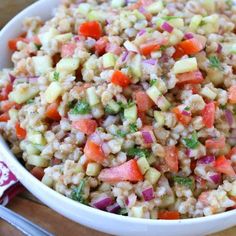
(90, 217)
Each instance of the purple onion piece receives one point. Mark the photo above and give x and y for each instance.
(142, 10)
(114, 208)
(186, 113)
(150, 61)
(124, 56)
(206, 160)
(102, 203)
(148, 194)
(219, 48)
(12, 78)
(229, 117)
(33, 79)
(216, 178)
(141, 32)
(167, 27)
(147, 137)
(188, 36)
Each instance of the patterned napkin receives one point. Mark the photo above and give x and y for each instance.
(9, 185)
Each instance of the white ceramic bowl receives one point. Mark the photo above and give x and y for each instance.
(93, 218)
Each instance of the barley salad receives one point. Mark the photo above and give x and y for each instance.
(128, 106)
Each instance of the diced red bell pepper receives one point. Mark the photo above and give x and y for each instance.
(120, 79)
(52, 111)
(37, 172)
(172, 158)
(12, 43)
(20, 132)
(5, 91)
(193, 77)
(215, 143)
(208, 115)
(168, 215)
(7, 105)
(191, 46)
(181, 117)
(179, 52)
(91, 29)
(4, 117)
(86, 126)
(67, 50)
(100, 46)
(128, 171)
(94, 152)
(232, 94)
(224, 166)
(143, 101)
(147, 48)
(231, 153)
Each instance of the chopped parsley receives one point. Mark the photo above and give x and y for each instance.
(77, 193)
(169, 17)
(129, 104)
(191, 142)
(138, 152)
(234, 110)
(223, 107)
(123, 212)
(30, 101)
(187, 108)
(56, 76)
(121, 133)
(109, 110)
(163, 48)
(71, 104)
(133, 128)
(214, 62)
(82, 108)
(188, 182)
(153, 82)
(38, 46)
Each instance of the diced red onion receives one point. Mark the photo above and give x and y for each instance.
(186, 113)
(142, 10)
(33, 79)
(219, 48)
(167, 27)
(229, 117)
(206, 159)
(124, 56)
(150, 61)
(102, 203)
(147, 137)
(187, 152)
(77, 38)
(131, 199)
(114, 208)
(148, 194)
(12, 78)
(141, 32)
(216, 178)
(188, 36)
(106, 149)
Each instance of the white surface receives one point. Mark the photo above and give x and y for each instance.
(93, 218)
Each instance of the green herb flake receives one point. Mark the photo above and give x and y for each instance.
(223, 107)
(109, 110)
(129, 104)
(234, 110)
(82, 108)
(153, 82)
(133, 128)
(214, 62)
(121, 133)
(71, 104)
(191, 142)
(163, 48)
(30, 101)
(188, 182)
(123, 212)
(187, 108)
(38, 46)
(138, 152)
(77, 192)
(56, 76)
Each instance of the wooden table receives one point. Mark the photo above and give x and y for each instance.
(25, 204)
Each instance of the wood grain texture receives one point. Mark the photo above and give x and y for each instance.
(26, 205)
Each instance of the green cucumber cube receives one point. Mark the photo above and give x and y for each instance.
(42, 64)
(93, 169)
(195, 22)
(68, 65)
(92, 96)
(47, 180)
(154, 93)
(84, 8)
(206, 92)
(163, 103)
(185, 65)
(130, 114)
(36, 137)
(160, 118)
(117, 3)
(108, 60)
(152, 175)
(39, 161)
(143, 165)
(53, 91)
(112, 108)
(135, 66)
(155, 7)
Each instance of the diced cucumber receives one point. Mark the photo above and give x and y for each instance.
(206, 92)
(84, 8)
(137, 211)
(195, 22)
(163, 103)
(108, 60)
(53, 91)
(168, 200)
(154, 93)
(13, 113)
(96, 15)
(178, 22)
(143, 164)
(159, 22)
(39, 161)
(117, 3)
(160, 118)
(135, 65)
(92, 96)
(45, 38)
(152, 175)
(112, 108)
(211, 24)
(138, 14)
(175, 37)
(36, 137)
(64, 37)
(68, 65)
(151, 159)
(209, 6)
(185, 65)
(23, 92)
(31, 149)
(233, 191)
(215, 76)
(155, 7)
(160, 84)
(47, 180)
(42, 64)
(93, 169)
(79, 169)
(130, 114)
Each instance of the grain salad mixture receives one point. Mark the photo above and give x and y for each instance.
(128, 106)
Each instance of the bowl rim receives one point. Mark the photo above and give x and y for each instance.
(22, 174)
